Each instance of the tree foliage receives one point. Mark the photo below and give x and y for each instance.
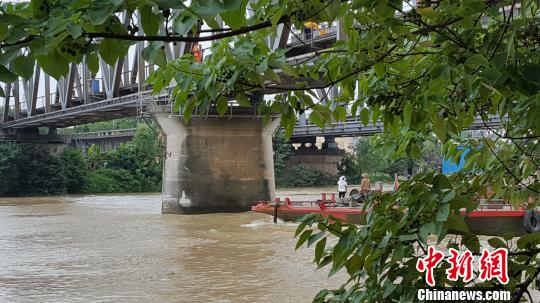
(131, 167)
(283, 149)
(304, 176)
(431, 69)
(73, 168)
(28, 169)
(368, 157)
(9, 175)
(39, 172)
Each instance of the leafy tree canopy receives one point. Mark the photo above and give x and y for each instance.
(431, 69)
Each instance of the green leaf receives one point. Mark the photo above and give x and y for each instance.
(301, 226)
(101, 10)
(289, 70)
(243, 100)
(439, 71)
(236, 17)
(497, 243)
(150, 22)
(379, 68)
(410, 237)
(38, 8)
(303, 238)
(476, 60)
(111, 50)
(6, 76)
(24, 66)
(213, 8)
(531, 72)
(2, 93)
(92, 61)
(442, 182)
(170, 4)
(319, 250)
(456, 223)
(426, 11)
(471, 242)
(442, 213)
(407, 113)
(389, 289)
(439, 127)
(184, 23)
(8, 55)
(364, 116)
(222, 105)
(154, 53)
(75, 30)
(180, 99)
(313, 238)
(529, 240)
(315, 118)
(54, 64)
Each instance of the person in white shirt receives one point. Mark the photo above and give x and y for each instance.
(342, 187)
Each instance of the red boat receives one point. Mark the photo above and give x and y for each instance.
(495, 219)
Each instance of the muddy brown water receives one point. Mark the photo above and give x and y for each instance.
(120, 248)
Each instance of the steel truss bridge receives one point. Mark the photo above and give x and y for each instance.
(120, 91)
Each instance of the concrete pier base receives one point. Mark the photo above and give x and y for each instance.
(216, 164)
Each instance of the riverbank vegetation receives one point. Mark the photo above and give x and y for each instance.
(29, 169)
(367, 156)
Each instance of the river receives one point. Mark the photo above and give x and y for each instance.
(120, 248)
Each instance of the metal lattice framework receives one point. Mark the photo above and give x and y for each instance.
(120, 90)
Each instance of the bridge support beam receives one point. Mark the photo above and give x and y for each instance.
(216, 164)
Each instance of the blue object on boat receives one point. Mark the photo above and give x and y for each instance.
(448, 166)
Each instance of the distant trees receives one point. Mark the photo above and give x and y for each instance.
(369, 157)
(29, 169)
(73, 168)
(131, 167)
(8, 168)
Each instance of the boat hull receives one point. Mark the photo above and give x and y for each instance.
(480, 222)
(496, 223)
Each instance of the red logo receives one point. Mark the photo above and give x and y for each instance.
(494, 265)
(460, 266)
(428, 263)
(491, 265)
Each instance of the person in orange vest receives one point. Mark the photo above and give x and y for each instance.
(365, 185)
(308, 29)
(197, 52)
(396, 182)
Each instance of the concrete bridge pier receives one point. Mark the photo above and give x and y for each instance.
(216, 164)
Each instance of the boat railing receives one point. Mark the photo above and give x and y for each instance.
(304, 203)
(495, 204)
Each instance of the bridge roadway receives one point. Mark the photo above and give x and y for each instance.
(350, 128)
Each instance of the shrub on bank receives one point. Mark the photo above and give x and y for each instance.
(106, 180)
(39, 172)
(28, 169)
(304, 176)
